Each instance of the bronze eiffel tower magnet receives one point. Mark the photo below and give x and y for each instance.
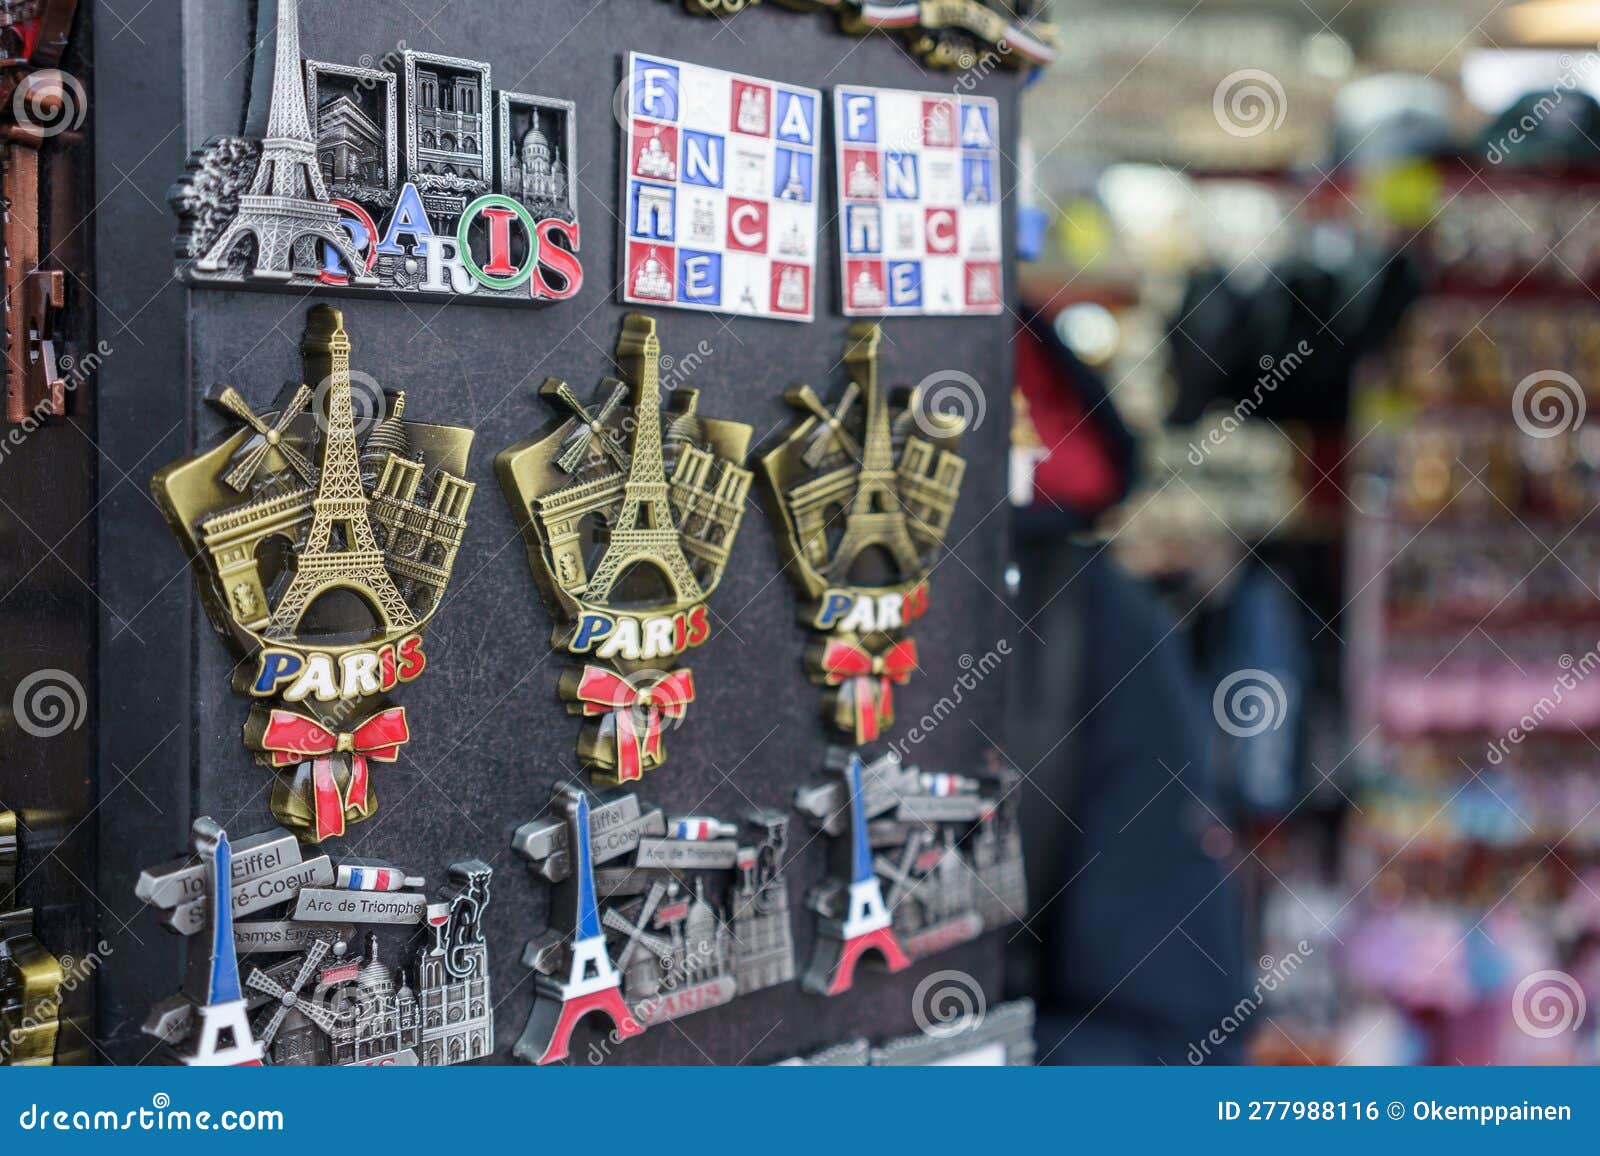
(863, 493)
(630, 510)
(321, 567)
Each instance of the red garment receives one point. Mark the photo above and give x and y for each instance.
(1078, 472)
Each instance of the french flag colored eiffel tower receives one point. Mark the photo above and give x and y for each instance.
(867, 923)
(593, 982)
(222, 1036)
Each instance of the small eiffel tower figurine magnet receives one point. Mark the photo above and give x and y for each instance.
(322, 567)
(630, 511)
(592, 982)
(863, 492)
(923, 861)
(654, 917)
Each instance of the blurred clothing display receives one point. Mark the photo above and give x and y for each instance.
(1260, 628)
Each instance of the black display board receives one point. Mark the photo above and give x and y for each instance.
(491, 734)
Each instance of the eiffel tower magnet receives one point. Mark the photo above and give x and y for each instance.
(630, 510)
(652, 917)
(863, 493)
(315, 198)
(322, 567)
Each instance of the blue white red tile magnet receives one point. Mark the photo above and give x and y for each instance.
(719, 191)
(920, 218)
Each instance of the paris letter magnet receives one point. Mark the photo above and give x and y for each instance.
(630, 510)
(323, 539)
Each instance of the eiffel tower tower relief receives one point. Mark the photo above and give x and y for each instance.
(644, 530)
(340, 549)
(875, 516)
(287, 203)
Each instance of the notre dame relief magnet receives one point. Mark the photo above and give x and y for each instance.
(323, 544)
(863, 493)
(630, 511)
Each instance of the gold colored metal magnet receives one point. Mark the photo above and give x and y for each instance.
(323, 546)
(630, 511)
(863, 492)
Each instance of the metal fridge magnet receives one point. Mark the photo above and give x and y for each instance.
(925, 861)
(323, 1002)
(996, 1037)
(954, 33)
(863, 494)
(659, 917)
(718, 7)
(856, 1053)
(922, 224)
(416, 178)
(323, 545)
(30, 977)
(630, 511)
(719, 189)
(30, 994)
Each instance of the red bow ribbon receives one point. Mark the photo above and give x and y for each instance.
(293, 738)
(604, 693)
(872, 678)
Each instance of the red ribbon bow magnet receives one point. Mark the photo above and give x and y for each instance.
(872, 679)
(602, 692)
(293, 738)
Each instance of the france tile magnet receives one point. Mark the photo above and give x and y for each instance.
(920, 218)
(719, 191)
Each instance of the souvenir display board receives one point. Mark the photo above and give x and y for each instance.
(920, 213)
(720, 191)
(723, 846)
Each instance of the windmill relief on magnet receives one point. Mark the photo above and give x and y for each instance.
(323, 541)
(630, 509)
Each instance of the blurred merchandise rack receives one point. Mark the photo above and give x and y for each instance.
(1470, 864)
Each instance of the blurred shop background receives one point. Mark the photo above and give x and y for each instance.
(1306, 468)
